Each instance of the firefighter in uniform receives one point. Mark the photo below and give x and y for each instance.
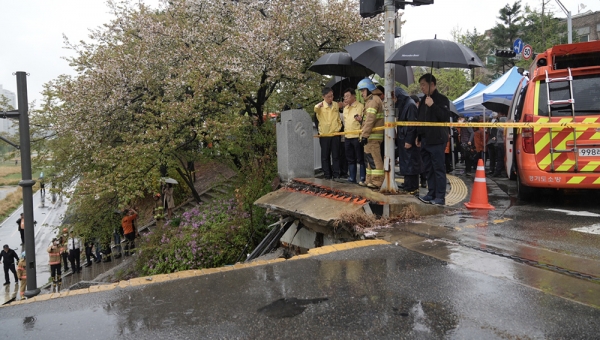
(371, 140)
(54, 262)
(22, 274)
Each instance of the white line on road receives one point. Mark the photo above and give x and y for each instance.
(576, 213)
(593, 229)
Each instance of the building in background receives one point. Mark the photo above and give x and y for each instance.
(9, 126)
(586, 26)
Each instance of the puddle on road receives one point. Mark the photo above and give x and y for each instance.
(287, 308)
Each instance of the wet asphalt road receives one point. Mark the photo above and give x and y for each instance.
(383, 292)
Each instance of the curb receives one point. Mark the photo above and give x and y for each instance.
(145, 280)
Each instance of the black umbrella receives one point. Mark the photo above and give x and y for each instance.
(370, 53)
(436, 53)
(497, 104)
(339, 64)
(339, 84)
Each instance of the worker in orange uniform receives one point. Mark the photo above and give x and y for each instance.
(371, 140)
(128, 230)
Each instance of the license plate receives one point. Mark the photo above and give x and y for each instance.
(585, 152)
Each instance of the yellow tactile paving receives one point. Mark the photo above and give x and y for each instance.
(458, 191)
(138, 281)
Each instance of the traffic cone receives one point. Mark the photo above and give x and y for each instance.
(479, 197)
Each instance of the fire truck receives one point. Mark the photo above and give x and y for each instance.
(563, 86)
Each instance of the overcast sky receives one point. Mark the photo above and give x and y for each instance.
(31, 37)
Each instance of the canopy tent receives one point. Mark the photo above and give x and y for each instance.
(503, 87)
(459, 102)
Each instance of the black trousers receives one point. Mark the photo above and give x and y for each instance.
(434, 162)
(75, 258)
(11, 267)
(22, 232)
(330, 152)
(88, 254)
(65, 258)
(55, 272)
(130, 243)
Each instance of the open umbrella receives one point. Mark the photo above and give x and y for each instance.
(497, 104)
(370, 53)
(339, 64)
(436, 53)
(169, 180)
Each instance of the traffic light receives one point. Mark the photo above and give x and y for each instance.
(370, 8)
(422, 2)
(505, 53)
(400, 3)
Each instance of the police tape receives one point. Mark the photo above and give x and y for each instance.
(518, 125)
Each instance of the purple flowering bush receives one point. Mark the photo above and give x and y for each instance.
(209, 235)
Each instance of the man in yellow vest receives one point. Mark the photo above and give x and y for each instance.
(328, 116)
(353, 111)
(371, 140)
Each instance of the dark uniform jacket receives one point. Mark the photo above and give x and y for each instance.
(8, 257)
(438, 113)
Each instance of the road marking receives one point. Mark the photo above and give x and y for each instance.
(593, 229)
(576, 213)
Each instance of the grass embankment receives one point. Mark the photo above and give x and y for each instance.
(10, 175)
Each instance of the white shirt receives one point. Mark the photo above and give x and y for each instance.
(74, 241)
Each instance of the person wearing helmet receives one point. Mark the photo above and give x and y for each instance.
(54, 261)
(434, 107)
(22, 274)
(371, 140)
(327, 113)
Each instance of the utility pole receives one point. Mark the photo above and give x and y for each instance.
(389, 162)
(370, 8)
(26, 181)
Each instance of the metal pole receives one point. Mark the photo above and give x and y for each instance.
(27, 183)
(389, 183)
(569, 22)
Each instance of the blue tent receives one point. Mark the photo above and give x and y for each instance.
(503, 87)
(460, 101)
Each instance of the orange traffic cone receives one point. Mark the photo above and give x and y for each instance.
(479, 197)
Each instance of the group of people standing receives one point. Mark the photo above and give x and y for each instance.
(479, 143)
(421, 150)
(66, 248)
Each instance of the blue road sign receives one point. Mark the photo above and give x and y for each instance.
(518, 46)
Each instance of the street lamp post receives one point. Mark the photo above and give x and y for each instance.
(569, 23)
(26, 181)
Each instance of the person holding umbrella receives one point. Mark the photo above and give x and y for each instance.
(434, 107)
(371, 140)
